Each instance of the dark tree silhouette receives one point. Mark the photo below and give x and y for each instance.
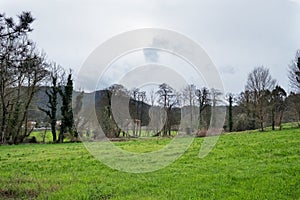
(278, 106)
(22, 68)
(230, 116)
(167, 99)
(204, 101)
(52, 94)
(294, 72)
(67, 120)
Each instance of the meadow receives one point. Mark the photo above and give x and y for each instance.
(245, 165)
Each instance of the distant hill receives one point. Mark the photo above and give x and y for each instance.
(100, 98)
(40, 100)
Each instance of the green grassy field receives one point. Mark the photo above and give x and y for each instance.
(241, 166)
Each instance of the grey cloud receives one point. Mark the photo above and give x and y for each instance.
(235, 33)
(228, 70)
(151, 55)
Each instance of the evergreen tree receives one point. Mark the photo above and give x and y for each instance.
(230, 118)
(67, 120)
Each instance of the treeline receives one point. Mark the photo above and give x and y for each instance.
(25, 72)
(158, 111)
(263, 103)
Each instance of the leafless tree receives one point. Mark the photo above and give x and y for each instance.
(260, 80)
(14, 45)
(217, 108)
(294, 72)
(204, 101)
(152, 97)
(168, 98)
(260, 83)
(55, 74)
(189, 106)
(245, 116)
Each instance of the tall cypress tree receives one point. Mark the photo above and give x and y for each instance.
(67, 120)
(230, 118)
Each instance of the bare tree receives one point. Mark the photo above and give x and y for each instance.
(260, 83)
(142, 98)
(16, 52)
(139, 99)
(204, 101)
(22, 68)
(134, 94)
(152, 97)
(55, 73)
(216, 108)
(168, 98)
(260, 80)
(294, 72)
(154, 113)
(189, 106)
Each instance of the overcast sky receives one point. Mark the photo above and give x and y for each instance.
(238, 35)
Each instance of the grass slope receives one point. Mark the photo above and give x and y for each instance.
(241, 166)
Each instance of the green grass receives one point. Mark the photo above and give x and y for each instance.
(248, 165)
(39, 135)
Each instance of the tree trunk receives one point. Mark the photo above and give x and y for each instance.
(61, 133)
(53, 130)
(273, 120)
(230, 114)
(3, 125)
(262, 125)
(298, 119)
(280, 120)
